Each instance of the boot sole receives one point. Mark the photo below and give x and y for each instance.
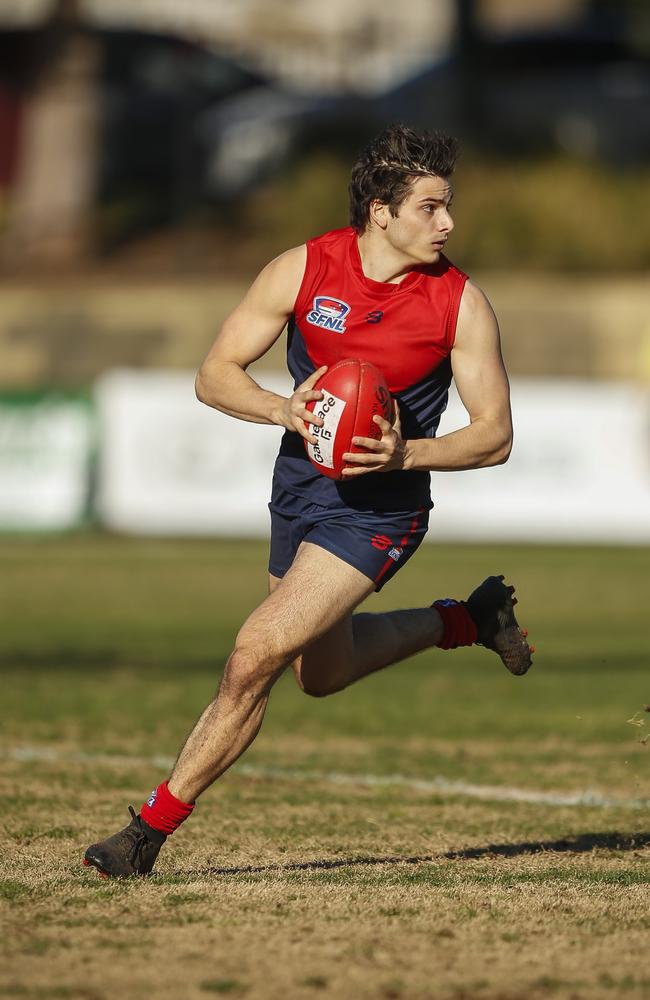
(100, 871)
(516, 656)
(510, 643)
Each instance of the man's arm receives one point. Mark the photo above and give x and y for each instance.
(482, 384)
(248, 333)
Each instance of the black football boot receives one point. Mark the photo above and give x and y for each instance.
(491, 607)
(132, 851)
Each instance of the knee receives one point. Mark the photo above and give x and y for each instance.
(251, 669)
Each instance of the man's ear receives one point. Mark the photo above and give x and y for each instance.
(379, 213)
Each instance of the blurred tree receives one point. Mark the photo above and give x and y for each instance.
(49, 218)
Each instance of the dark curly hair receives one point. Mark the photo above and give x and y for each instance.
(387, 166)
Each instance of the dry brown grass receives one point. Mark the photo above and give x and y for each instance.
(427, 908)
(283, 888)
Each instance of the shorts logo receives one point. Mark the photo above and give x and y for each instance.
(381, 542)
(152, 798)
(328, 313)
(396, 552)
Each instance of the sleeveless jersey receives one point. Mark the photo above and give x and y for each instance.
(407, 330)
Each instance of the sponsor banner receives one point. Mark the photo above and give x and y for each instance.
(46, 450)
(579, 470)
(171, 465)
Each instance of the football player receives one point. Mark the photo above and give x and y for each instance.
(381, 290)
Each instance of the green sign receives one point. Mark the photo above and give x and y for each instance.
(46, 456)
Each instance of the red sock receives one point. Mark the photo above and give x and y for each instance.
(458, 628)
(163, 811)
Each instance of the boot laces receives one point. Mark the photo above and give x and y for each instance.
(140, 839)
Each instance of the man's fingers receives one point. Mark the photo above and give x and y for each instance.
(313, 378)
(296, 407)
(361, 458)
(370, 444)
(360, 471)
(301, 399)
(397, 419)
(299, 426)
(383, 425)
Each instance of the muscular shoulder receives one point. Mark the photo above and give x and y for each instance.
(474, 303)
(476, 318)
(291, 262)
(270, 299)
(280, 280)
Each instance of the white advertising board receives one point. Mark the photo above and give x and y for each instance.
(579, 471)
(171, 465)
(46, 444)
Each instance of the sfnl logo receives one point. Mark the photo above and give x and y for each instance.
(329, 313)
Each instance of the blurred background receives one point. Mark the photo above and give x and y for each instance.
(153, 156)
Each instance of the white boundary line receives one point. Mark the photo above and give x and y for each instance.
(437, 785)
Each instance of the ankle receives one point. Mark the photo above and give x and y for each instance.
(163, 811)
(458, 626)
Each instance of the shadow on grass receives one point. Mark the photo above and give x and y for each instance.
(581, 844)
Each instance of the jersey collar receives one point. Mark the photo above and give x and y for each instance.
(411, 279)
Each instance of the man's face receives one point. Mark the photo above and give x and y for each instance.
(423, 223)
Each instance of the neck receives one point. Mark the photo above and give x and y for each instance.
(380, 260)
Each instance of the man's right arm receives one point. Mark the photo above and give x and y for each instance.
(247, 334)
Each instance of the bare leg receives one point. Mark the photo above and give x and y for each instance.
(363, 643)
(291, 618)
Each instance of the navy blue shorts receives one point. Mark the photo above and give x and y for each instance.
(377, 543)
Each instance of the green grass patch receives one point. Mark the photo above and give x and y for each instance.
(288, 882)
(11, 890)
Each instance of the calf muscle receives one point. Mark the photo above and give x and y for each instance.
(290, 619)
(363, 644)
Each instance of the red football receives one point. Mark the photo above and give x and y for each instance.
(353, 392)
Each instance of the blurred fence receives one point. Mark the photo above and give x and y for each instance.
(146, 458)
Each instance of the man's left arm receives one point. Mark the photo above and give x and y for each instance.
(482, 384)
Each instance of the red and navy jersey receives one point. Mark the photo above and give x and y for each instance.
(407, 330)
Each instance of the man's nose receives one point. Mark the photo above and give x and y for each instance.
(446, 221)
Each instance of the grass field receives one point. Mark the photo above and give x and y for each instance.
(365, 847)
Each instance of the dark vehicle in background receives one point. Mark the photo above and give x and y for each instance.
(173, 135)
(584, 90)
(182, 126)
(185, 126)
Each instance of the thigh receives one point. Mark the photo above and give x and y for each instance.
(323, 664)
(318, 592)
(377, 545)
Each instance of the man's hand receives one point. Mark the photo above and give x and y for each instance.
(293, 412)
(384, 455)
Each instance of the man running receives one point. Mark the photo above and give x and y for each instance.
(408, 310)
